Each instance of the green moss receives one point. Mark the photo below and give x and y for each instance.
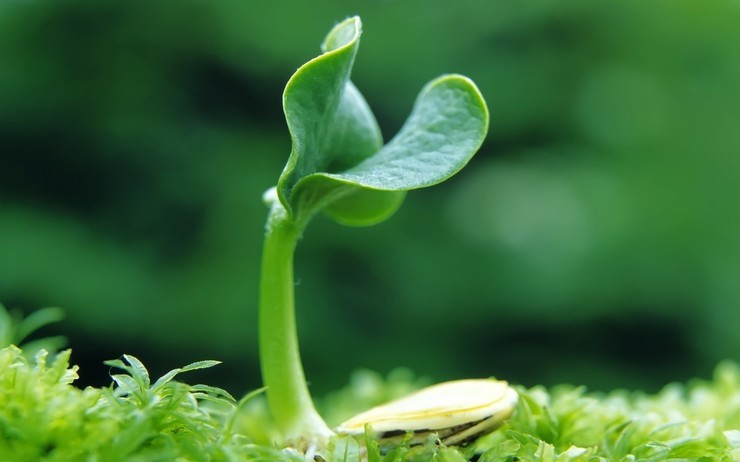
(697, 421)
(44, 417)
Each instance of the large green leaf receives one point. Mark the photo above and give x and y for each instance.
(338, 163)
(443, 132)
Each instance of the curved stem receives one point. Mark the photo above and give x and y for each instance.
(282, 371)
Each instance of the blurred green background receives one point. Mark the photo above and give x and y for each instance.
(593, 240)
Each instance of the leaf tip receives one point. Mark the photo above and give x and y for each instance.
(343, 34)
(463, 83)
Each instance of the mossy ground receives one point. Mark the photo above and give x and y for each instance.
(44, 417)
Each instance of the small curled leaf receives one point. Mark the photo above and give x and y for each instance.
(364, 207)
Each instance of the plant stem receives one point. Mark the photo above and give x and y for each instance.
(282, 372)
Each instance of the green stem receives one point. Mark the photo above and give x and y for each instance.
(282, 372)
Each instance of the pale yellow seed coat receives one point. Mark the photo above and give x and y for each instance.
(440, 406)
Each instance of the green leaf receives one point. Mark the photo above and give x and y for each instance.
(126, 383)
(36, 321)
(7, 327)
(117, 363)
(219, 400)
(329, 121)
(216, 391)
(338, 163)
(205, 364)
(15, 329)
(138, 371)
(364, 207)
(445, 129)
(166, 378)
(343, 449)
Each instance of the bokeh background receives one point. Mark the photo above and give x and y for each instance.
(593, 240)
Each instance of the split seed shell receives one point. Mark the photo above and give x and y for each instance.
(457, 410)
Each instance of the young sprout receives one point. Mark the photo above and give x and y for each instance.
(339, 166)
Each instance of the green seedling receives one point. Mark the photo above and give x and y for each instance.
(339, 166)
